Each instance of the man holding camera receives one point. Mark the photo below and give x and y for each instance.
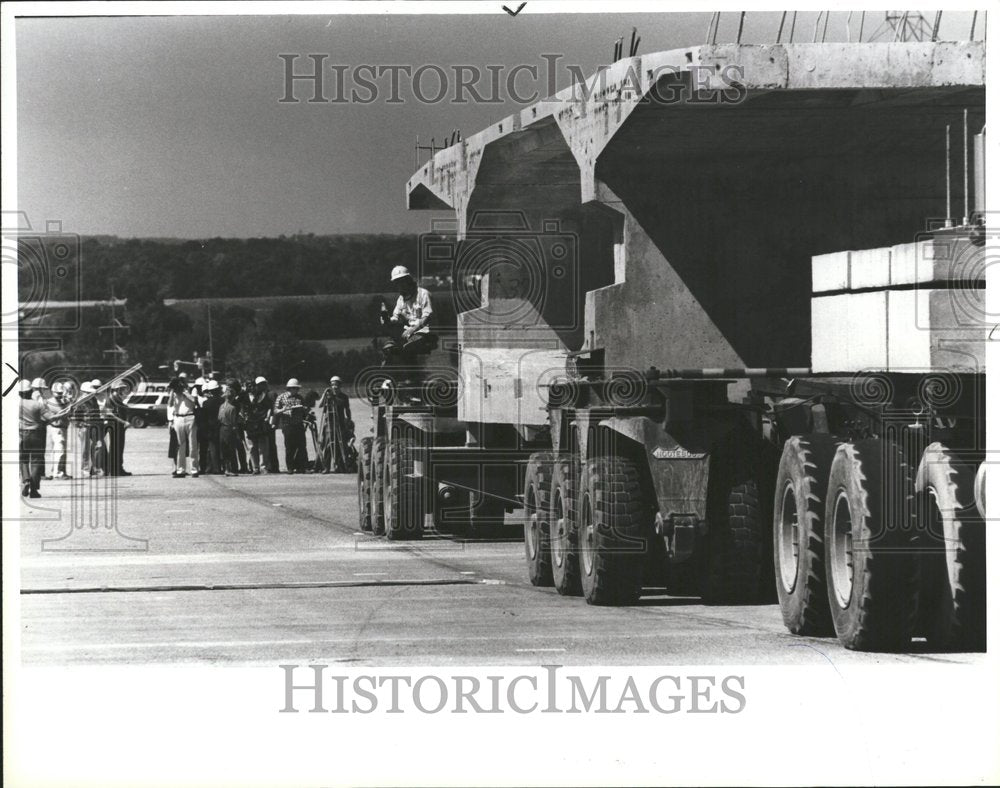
(183, 405)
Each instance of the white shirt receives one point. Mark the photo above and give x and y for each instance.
(415, 310)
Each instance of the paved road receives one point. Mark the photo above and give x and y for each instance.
(264, 569)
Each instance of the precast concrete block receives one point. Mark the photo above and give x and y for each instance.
(870, 268)
(831, 272)
(849, 332)
(936, 330)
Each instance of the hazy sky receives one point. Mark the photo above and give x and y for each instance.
(172, 126)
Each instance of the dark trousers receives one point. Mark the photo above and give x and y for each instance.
(116, 448)
(208, 442)
(405, 351)
(32, 459)
(296, 458)
(229, 439)
(172, 446)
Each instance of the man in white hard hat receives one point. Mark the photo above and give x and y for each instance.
(40, 389)
(412, 314)
(291, 410)
(207, 421)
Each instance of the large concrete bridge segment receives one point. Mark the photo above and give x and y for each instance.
(701, 182)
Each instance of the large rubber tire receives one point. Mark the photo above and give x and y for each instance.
(537, 487)
(365, 485)
(403, 507)
(615, 531)
(562, 527)
(953, 598)
(735, 533)
(378, 483)
(139, 422)
(799, 512)
(871, 564)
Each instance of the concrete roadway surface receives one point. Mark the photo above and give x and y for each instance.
(267, 569)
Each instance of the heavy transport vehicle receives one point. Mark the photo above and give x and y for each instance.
(721, 331)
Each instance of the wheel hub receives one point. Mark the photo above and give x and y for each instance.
(788, 542)
(842, 550)
(587, 538)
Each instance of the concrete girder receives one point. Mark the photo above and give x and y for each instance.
(589, 117)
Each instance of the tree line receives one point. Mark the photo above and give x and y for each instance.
(278, 342)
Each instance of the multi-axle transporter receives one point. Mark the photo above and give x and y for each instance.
(719, 332)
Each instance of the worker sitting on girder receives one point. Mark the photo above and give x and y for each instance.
(408, 327)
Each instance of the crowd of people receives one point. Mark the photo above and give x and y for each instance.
(96, 414)
(224, 427)
(229, 427)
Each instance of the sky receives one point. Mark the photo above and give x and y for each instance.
(173, 126)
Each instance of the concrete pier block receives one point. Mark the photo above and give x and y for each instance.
(870, 268)
(849, 332)
(831, 272)
(936, 330)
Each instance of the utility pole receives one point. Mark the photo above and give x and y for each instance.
(211, 346)
(116, 351)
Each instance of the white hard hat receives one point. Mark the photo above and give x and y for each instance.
(57, 387)
(335, 379)
(183, 375)
(260, 379)
(212, 385)
(25, 386)
(39, 383)
(293, 383)
(87, 386)
(96, 383)
(199, 381)
(399, 272)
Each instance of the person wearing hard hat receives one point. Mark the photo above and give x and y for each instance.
(258, 428)
(291, 411)
(207, 420)
(58, 431)
(336, 428)
(39, 389)
(33, 421)
(411, 316)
